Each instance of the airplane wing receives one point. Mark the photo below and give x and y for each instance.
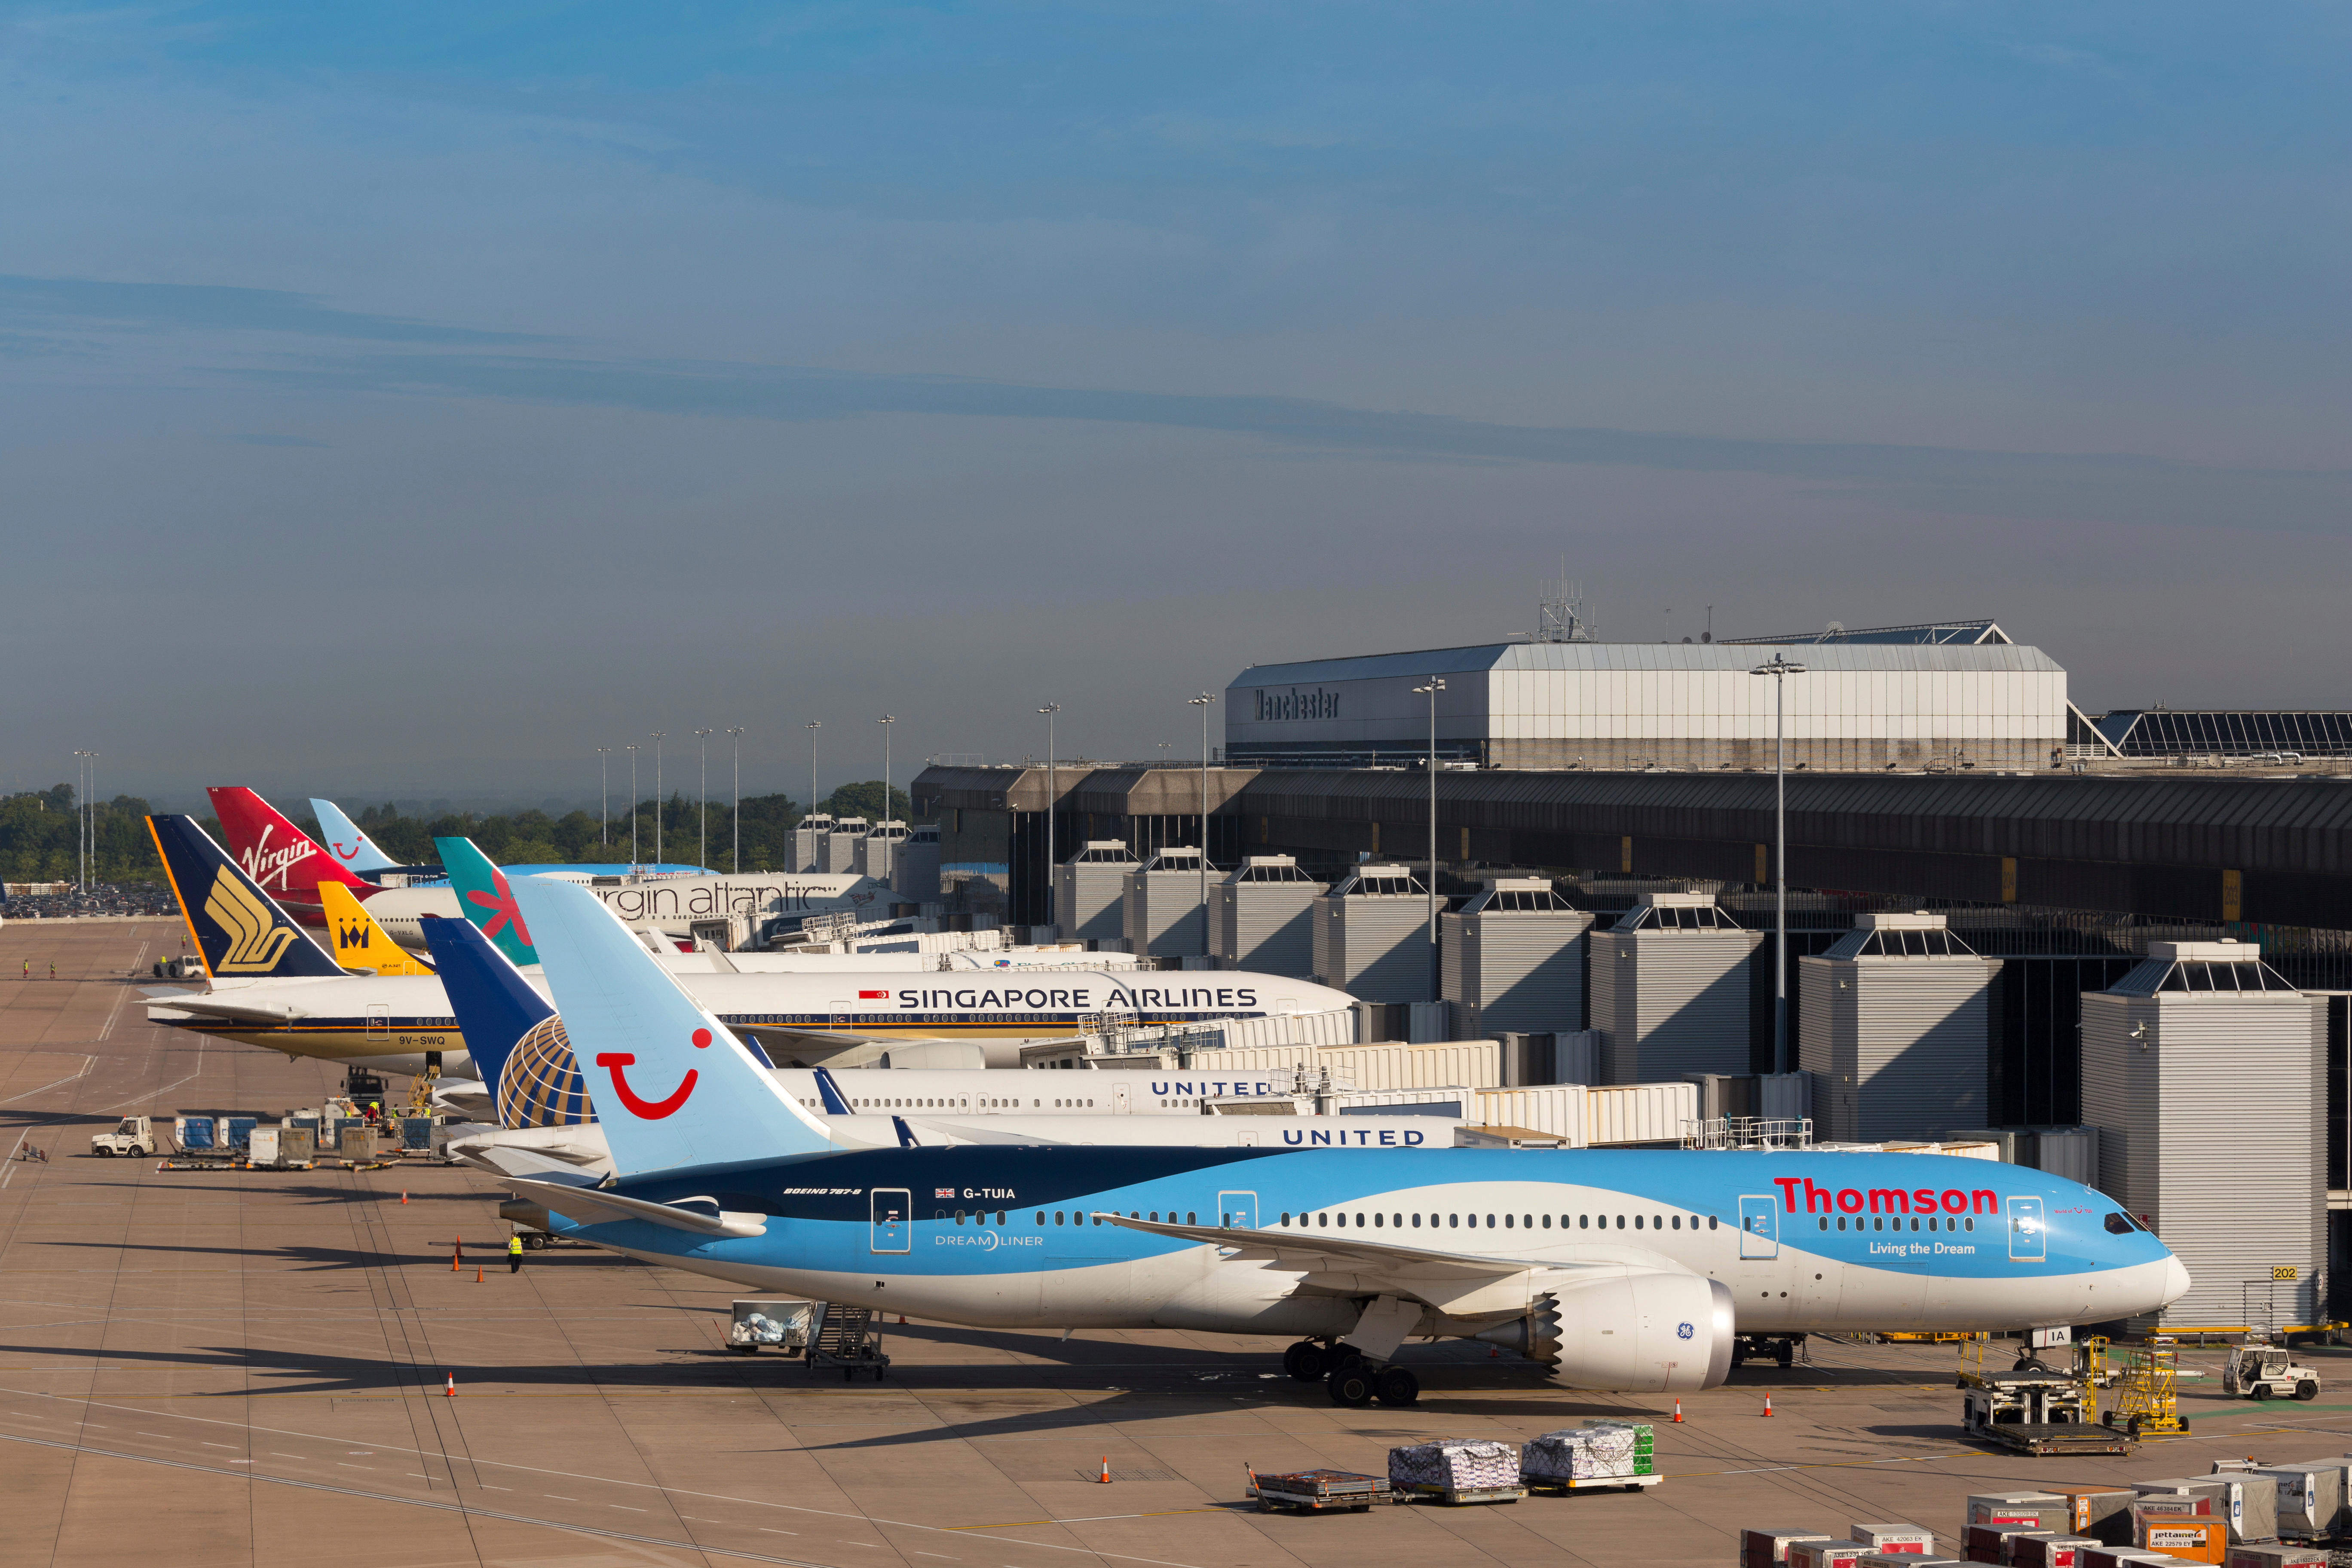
(597, 1207)
(1355, 1264)
(235, 1012)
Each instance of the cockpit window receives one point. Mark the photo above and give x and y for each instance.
(2120, 1224)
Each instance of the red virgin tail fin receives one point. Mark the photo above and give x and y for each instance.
(287, 863)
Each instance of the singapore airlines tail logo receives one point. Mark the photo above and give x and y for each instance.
(255, 940)
(641, 1108)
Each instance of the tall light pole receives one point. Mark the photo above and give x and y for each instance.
(735, 738)
(886, 722)
(1779, 668)
(1049, 711)
(81, 819)
(1202, 702)
(1436, 684)
(605, 788)
(812, 726)
(658, 796)
(702, 738)
(633, 806)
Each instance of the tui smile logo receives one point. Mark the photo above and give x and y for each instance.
(646, 1110)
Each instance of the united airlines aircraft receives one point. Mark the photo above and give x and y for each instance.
(1626, 1270)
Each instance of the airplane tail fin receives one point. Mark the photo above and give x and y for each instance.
(670, 1084)
(357, 942)
(518, 1044)
(284, 861)
(237, 926)
(353, 850)
(487, 898)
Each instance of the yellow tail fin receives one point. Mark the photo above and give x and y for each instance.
(357, 942)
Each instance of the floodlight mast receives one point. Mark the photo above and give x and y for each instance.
(1780, 668)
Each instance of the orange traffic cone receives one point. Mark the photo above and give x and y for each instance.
(1678, 1409)
(449, 1389)
(1106, 1470)
(477, 1274)
(1768, 1405)
(455, 1257)
(403, 1197)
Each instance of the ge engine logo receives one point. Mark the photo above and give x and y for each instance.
(1682, 1330)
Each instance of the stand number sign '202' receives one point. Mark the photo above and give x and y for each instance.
(639, 1106)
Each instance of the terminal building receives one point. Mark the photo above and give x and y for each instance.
(1902, 697)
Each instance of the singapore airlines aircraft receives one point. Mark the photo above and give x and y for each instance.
(1632, 1270)
(272, 985)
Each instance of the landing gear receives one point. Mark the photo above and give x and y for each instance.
(1307, 1362)
(1396, 1387)
(1778, 1349)
(1351, 1382)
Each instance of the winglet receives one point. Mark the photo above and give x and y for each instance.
(487, 898)
(238, 927)
(353, 850)
(671, 1085)
(829, 1095)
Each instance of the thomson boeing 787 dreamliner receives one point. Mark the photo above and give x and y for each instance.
(1631, 1270)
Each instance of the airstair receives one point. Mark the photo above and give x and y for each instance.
(847, 1337)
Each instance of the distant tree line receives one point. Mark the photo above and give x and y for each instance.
(39, 831)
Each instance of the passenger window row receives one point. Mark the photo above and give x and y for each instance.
(1879, 1223)
(1322, 1219)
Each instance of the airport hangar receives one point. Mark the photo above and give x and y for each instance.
(1896, 800)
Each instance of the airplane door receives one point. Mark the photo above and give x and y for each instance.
(892, 1209)
(379, 1018)
(2029, 1238)
(1237, 1211)
(1119, 1105)
(1760, 1228)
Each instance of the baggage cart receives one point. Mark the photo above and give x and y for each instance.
(1459, 1496)
(767, 1322)
(1320, 1492)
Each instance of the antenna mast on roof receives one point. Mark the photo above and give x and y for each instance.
(1560, 615)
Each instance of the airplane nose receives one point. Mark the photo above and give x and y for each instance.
(2175, 1281)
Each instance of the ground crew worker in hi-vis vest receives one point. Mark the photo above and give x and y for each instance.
(514, 1254)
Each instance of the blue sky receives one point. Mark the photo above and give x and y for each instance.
(410, 401)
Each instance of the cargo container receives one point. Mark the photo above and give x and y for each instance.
(1896, 1537)
(1824, 1553)
(1765, 1548)
(2191, 1539)
(2247, 1501)
(2103, 1513)
(2040, 1549)
(1894, 1021)
(2279, 1554)
(2311, 1494)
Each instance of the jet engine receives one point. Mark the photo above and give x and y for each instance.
(1642, 1331)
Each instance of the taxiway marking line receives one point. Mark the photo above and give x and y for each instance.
(672, 1491)
(438, 1507)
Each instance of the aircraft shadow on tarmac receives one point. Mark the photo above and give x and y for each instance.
(489, 1252)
